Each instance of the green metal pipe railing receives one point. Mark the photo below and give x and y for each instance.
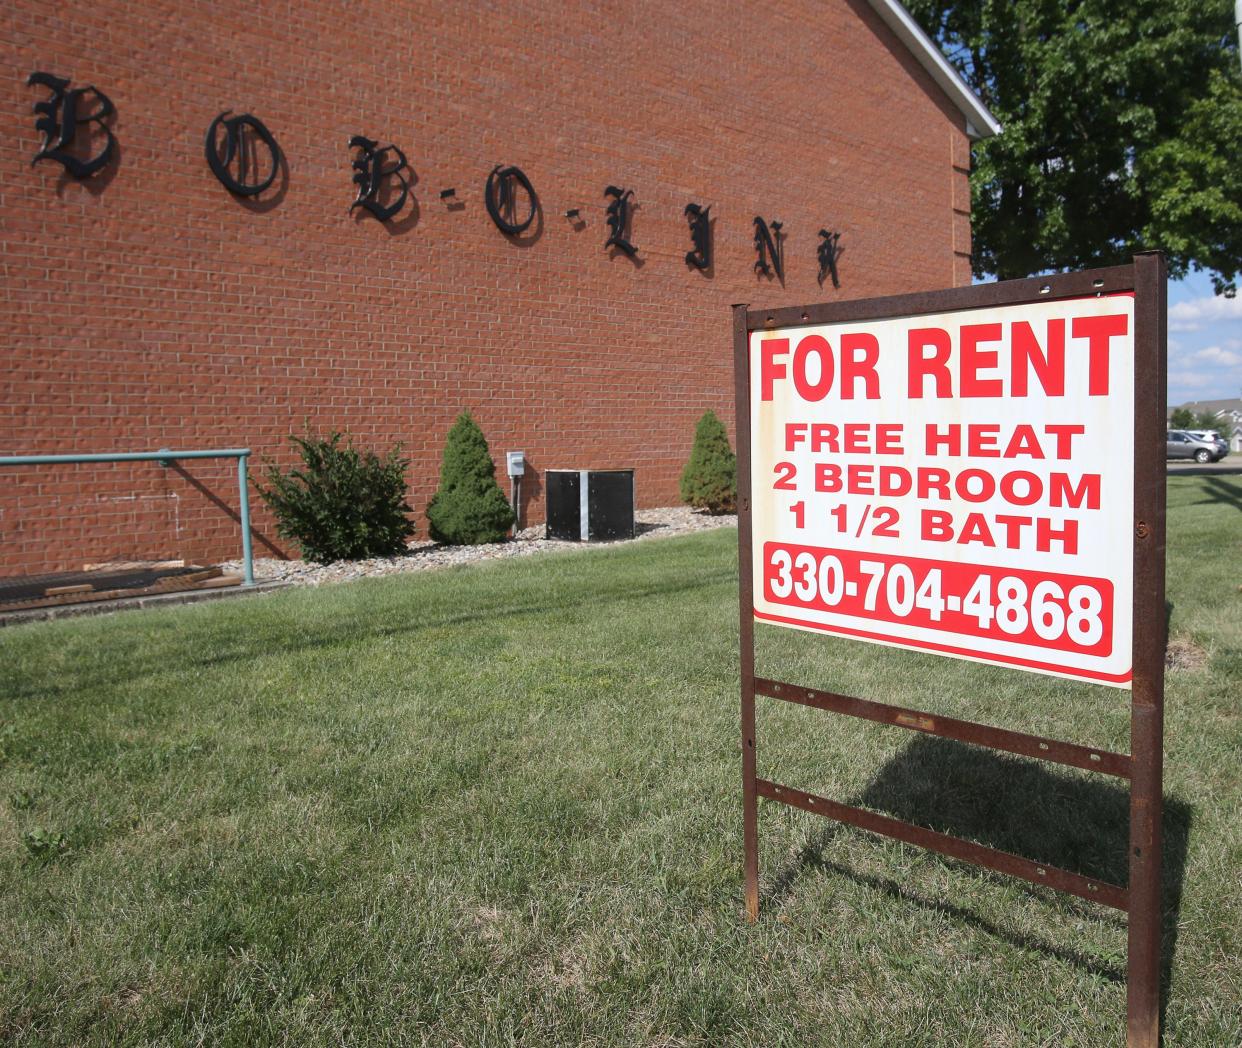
(165, 457)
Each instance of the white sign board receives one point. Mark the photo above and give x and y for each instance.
(960, 483)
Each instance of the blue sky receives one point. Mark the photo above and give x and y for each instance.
(1205, 342)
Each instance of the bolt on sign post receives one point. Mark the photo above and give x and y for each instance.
(949, 472)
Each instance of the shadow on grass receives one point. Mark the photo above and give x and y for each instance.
(1018, 806)
(1221, 492)
(1185, 469)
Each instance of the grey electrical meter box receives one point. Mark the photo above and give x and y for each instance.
(517, 463)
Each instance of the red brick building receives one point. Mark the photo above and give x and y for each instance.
(147, 306)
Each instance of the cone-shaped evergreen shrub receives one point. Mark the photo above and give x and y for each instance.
(469, 507)
(709, 480)
(343, 504)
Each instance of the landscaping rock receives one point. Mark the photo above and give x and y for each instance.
(428, 556)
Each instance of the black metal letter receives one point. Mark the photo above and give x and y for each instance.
(828, 253)
(59, 120)
(700, 235)
(500, 198)
(372, 174)
(239, 145)
(619, 220)
(770, 248)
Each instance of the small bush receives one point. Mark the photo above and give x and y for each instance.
(468, 508)
(343, 504)
(709, 480)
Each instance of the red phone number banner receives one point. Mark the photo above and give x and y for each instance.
(1070, 613)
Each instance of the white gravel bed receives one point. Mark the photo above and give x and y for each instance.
(426, 555)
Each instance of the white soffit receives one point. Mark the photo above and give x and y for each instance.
(979, 122)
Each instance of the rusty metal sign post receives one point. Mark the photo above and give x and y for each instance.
(1043, 621)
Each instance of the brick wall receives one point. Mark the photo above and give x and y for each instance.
(150, 308)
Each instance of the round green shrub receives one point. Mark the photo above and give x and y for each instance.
(343, 504)
(709, 480)
(468, 508)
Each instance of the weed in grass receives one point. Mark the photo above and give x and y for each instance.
(44, 844)
(21, 800)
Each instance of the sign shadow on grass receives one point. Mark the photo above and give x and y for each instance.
(1222, 492)
(1020, 806)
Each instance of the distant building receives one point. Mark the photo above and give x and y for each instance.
(1229, 413)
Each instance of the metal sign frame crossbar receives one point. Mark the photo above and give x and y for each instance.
(1140, 899)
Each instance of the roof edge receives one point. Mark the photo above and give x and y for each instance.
(980, 123)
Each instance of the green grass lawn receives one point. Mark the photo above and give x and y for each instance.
(500, 805)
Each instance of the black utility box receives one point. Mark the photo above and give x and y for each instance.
(589, 505)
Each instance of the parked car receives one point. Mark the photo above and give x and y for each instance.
(1184, 445)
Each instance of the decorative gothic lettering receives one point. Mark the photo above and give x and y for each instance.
(828, 253)
(61, 116)
(501, 198)
(770, 248)
(619, 220)
(238, 151)
(700, 236)
(374, 172)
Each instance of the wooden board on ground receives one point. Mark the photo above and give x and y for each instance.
(81, 592)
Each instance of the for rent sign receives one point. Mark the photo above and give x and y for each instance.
(978, 472)
(959, 482)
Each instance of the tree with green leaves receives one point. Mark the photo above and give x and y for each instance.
(709, 480)
(1210, 420)
(1182, 418)
(1122, 131)
(468, 508)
